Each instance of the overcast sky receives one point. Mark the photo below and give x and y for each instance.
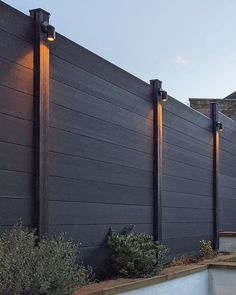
(188, 44)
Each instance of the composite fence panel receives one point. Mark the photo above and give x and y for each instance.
(187, 210)
(100, 162)
(100, 171)
(227, 177)
(16, 116)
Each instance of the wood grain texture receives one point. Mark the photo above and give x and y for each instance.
(10, 17)
(16, 116)
(80, 79)
(85, 59)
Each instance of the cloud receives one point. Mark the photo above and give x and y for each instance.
(180, 60)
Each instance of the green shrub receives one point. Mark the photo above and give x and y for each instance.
(49, 268)
(16, 261)
(136, 255)
(206, 250)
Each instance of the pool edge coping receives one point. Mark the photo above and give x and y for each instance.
(115, 286)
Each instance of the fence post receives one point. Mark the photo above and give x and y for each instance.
(157, 157)
(41, 118)
(215, 147)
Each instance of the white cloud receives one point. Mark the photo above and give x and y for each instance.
(180, 60)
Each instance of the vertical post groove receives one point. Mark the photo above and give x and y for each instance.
(215, 182)
(41, 118)
(157, 157)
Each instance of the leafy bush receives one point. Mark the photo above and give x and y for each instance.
(49, 268)
(136, 255)
(16, 261)
(206, 250)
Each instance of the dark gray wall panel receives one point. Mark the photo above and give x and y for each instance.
(107, 111)
(15, 184)
(16, 23)
(91, 148)
(79, 168)
(187, 127)
(190, 158)
(188, 186)
(188, 171)
(78, 78)
(186, 215)
(16, 115)
(81, 57)
(22, 56)
(15, 76)
(100, 149)
(15, 157)
(185, 200)
(82, 124)
(227, 167)
(184, 112)
(64, 189)
(186, 230)
(187, 211)
(14, 209)
(16, 103)
(94, 213)
(182, 140)
(16, 130)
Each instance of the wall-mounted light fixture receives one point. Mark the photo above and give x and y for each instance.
(219, 126)
(50, 30)
(164, 95)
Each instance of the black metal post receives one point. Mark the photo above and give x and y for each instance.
(157, 157)
(215, 147)
(41, 112)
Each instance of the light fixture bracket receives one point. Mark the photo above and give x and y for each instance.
(163, 95)
(49, 30)
(219, 126)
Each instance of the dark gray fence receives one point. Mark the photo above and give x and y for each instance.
(100, 164)
(16, 116)
(100, 148)
(187, 178)
(227, 177)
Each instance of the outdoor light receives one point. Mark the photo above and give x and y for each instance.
(164, 95)
(50, 30)
(219, 126)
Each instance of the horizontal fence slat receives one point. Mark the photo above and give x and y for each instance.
(16, 103)
(16, 76)
(81, 57)
(16, 130)
(91, 148)
(15, 184)
(13, 210)
(92, 106)
(82, 80)
(73, 190)
(84, 169)
(16, 23)
(83, 124)
(91, 213)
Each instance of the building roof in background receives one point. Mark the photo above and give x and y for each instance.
(231, 96)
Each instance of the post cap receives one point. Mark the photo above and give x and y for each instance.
(156, 83)
(33, 11)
